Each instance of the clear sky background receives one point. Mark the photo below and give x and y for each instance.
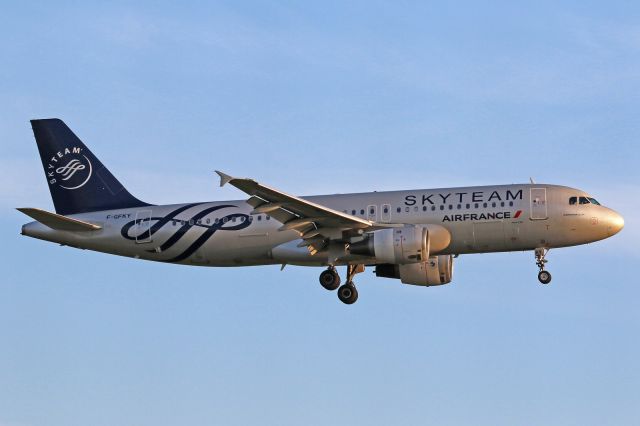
(322, 98)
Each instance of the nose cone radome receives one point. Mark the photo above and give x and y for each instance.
(615, 222)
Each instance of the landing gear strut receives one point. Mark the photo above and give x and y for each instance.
(543, 276)
(348, 293)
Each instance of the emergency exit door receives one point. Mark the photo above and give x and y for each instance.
(372, 213)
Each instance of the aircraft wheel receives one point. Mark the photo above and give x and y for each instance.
(330, 279)
(544, 277)
(348, 293)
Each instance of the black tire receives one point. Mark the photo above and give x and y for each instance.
(544, 277)
(330, 279)
(348, 294)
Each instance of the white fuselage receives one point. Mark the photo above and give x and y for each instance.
(480, 220)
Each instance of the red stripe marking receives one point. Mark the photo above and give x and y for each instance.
(517, 214)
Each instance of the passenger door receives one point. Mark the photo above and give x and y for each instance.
(538, 199)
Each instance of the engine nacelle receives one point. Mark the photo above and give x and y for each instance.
(437, 270)
(406, 245)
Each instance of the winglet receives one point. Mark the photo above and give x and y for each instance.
(224, 178)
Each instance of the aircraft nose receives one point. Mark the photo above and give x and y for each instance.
(615, 222)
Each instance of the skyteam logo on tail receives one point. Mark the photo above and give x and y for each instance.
(70, 169)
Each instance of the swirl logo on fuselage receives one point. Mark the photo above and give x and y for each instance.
(70, 169)
(225, 223)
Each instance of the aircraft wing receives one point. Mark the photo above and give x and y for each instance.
(313, 221)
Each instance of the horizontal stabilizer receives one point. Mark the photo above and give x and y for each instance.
(59, 222)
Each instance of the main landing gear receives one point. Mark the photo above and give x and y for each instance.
(330, 279)
(347, 293)
(543, 276)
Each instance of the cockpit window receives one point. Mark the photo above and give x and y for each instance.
(584, 200)
(573, 201)
(594, 201)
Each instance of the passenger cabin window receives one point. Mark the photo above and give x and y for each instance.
(362, 211)
(398, 209)
(573, 201)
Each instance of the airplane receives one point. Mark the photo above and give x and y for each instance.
(411, 235)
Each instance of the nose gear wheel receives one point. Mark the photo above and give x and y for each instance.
(544, 276)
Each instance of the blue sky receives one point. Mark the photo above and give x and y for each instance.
(322, 98)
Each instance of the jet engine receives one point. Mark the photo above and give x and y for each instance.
(404, 245)
(437, 270)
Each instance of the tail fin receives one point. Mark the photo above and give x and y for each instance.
(77, 180)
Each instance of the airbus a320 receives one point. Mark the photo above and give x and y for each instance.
(411, 235)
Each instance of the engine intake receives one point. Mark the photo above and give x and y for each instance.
(437, 270)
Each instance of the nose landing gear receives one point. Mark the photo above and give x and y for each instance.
(543, 276)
